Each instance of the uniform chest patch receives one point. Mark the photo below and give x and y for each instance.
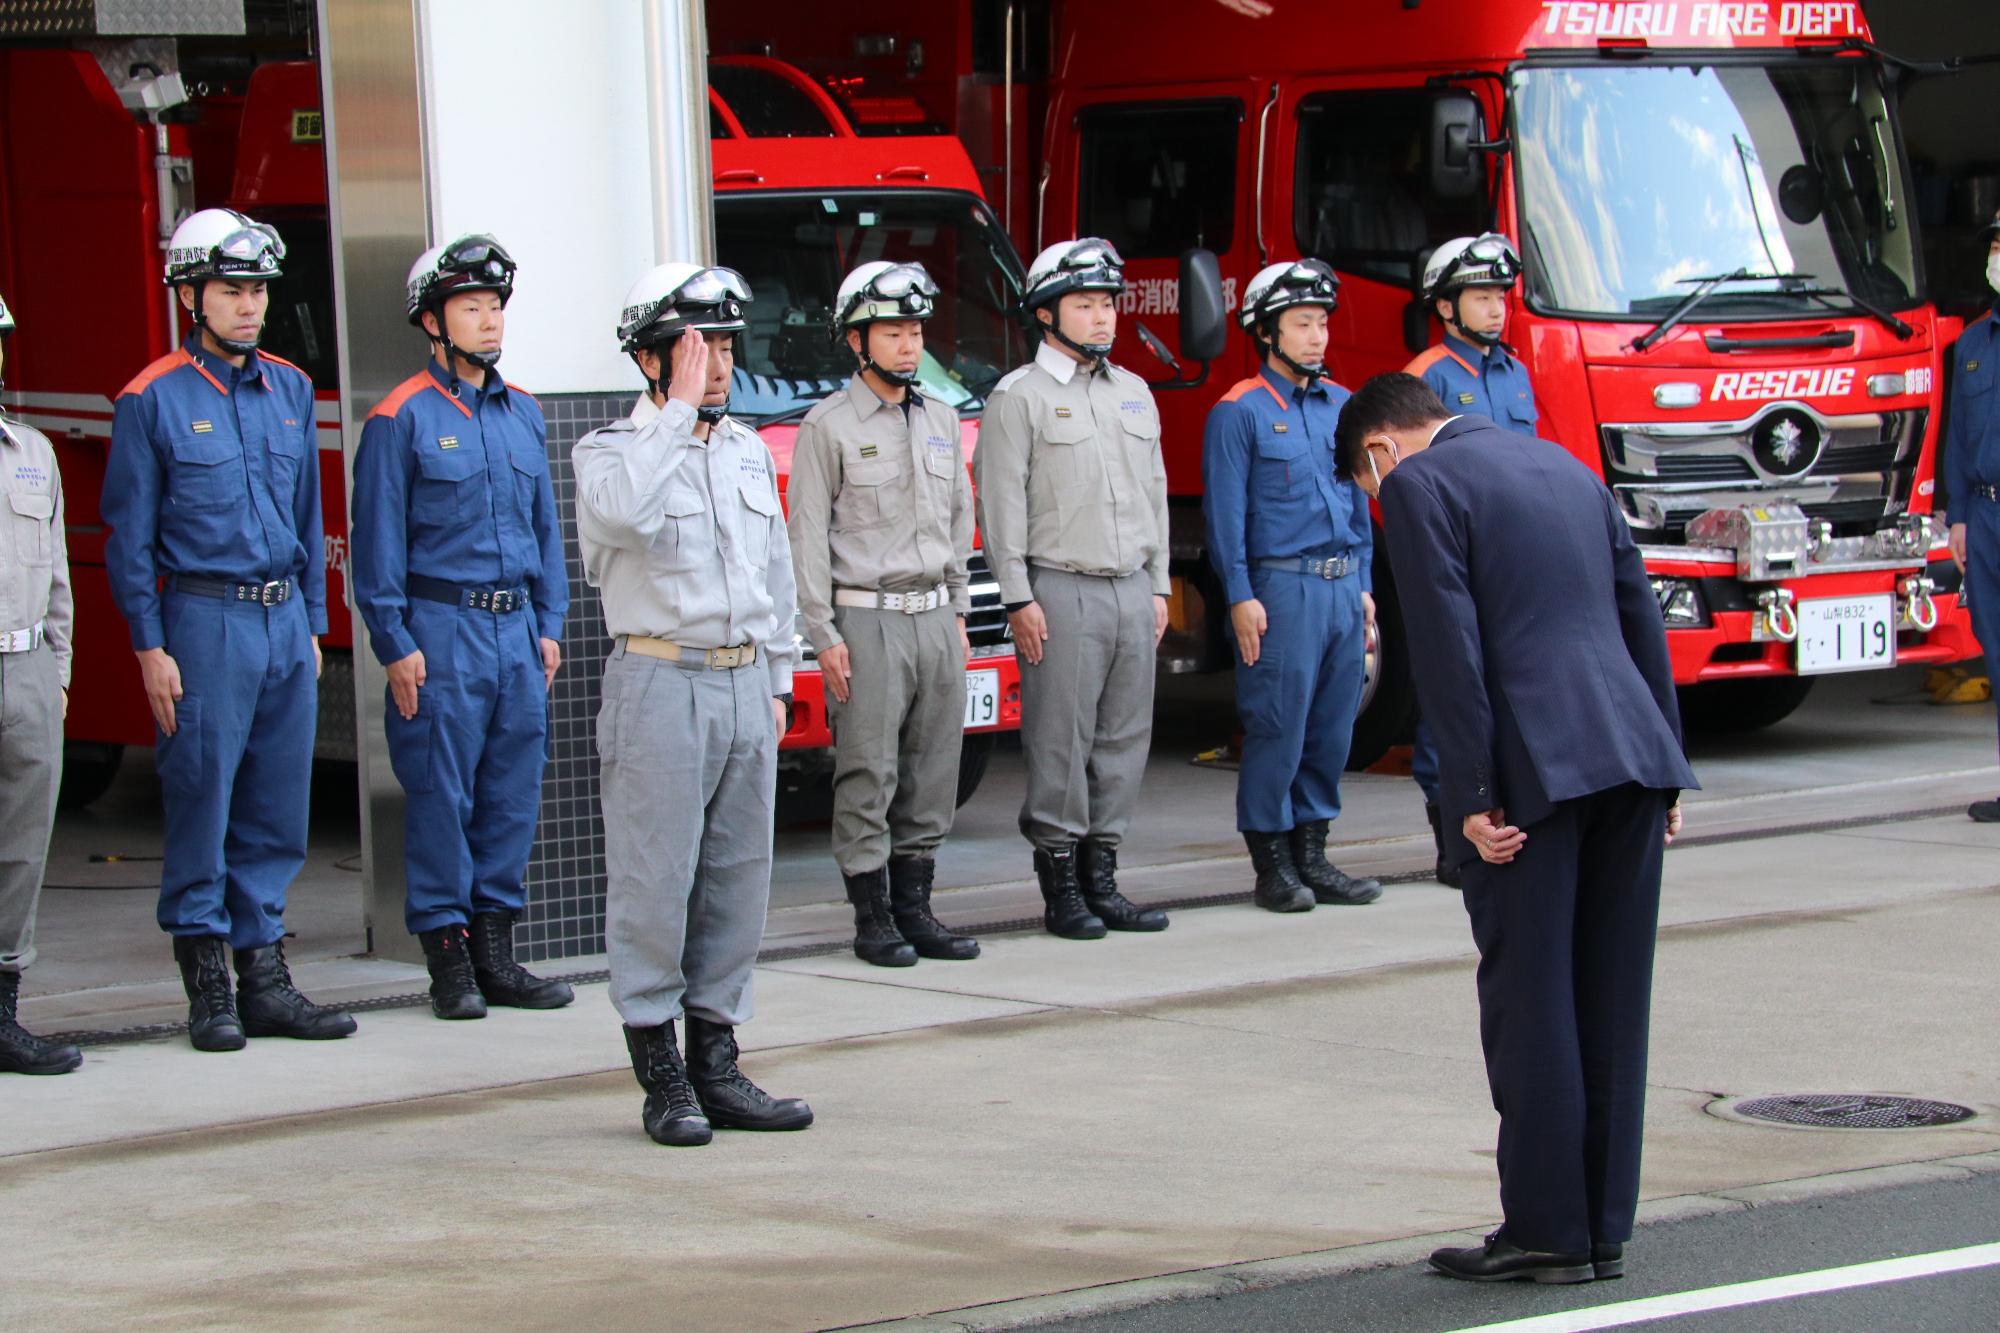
(1467, 400)
(752, 469)
(201, 427)
(1972, 365)
(30, 475)
(869, 451)
(447, 441)
(939, 444)
(1280, 428)
(1132, 405)
(1064, 411)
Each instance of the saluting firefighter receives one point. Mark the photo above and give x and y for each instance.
(881, 527)
(216, 560)
(679, 521)
(458, 571)
(1073, 512)
(1466, 281)
(35, 617)
(1292, 542)
(1972, 467)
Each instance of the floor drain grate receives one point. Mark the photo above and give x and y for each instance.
(1846, 1110)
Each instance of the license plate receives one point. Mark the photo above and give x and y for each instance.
(982, 698)
(1846, 634)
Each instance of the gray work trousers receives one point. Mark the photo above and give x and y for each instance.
(689, 767)
(1087, 710)
(31, 741)
(896, 740)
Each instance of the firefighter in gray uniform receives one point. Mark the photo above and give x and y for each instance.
(881, 524)
(680, 526)
(35, 613)
(1073, 511)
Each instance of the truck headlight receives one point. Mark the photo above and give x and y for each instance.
(1680, 603)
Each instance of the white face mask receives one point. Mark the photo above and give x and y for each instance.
(1993, 271)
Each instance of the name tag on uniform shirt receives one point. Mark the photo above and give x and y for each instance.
(1467, 400)
(447, 441)
(201, 427)
(1132, 405)
(1064, 411)
(753, 468)
(1279, 428)
(32, 477)
(939, 444)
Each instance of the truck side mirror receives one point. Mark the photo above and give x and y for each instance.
(1457, 169)
(1204, 327)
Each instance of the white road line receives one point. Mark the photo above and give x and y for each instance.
(1752, 1293)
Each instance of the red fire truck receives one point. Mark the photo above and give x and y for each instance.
(98, 147)
(1723, 307)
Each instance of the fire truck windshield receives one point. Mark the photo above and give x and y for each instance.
(1637, 180)
(795, 248)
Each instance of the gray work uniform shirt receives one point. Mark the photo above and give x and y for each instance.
(879, 500)
(34, 554)
(685, 537)
(1070, 474)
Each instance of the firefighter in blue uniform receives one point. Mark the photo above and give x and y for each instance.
(216, 559)
(458, 572)
(1292, 544)
(1972, 467)
(1466, 281)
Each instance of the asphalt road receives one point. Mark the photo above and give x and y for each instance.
(1682, 1256)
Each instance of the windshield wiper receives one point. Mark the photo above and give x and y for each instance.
(1833, 295)
(1703, 286)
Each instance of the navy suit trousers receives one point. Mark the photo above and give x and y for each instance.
(1565, 934)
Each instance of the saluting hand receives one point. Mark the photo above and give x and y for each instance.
(1495, 839)
(1251, 625)
(161, 676)
(404, 678)
(688, 382)
(834, 669)
(1031, 629)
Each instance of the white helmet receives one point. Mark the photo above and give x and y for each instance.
(222, 243)
(669, 299)
(1471, 261)
(6, 318)
(880, 289)
(1086, 264)
(472, 263)
(1281, 286)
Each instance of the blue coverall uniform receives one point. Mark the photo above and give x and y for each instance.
(1972, 470)
(1479, 381)
(457, 553)
(213, 485)
(1271, 498)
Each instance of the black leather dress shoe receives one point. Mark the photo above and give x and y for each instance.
(1984, 812)
(1500, 1260)
(1608, 1260)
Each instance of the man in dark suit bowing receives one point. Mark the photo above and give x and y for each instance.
(1541, 665)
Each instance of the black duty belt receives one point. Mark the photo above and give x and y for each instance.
(1328, 567)
(1985, 492)
(497, 600)
(264, 594)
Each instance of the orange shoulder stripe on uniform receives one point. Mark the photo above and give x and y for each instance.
(409, 389)
(1251, 385)
(263, 355)
(515, 388)
(173, 360)
(1425, 359)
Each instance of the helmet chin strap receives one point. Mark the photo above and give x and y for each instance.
(233, 346)
(711, 415)
(1088, 351)
(1488, 340)
(1312, 375)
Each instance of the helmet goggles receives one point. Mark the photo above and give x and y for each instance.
(1489, 261)
(711, 299)
(903, 291)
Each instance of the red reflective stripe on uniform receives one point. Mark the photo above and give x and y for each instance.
(409, 389)
(171, 361)
(1251, 385)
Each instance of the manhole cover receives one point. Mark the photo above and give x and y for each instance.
(1847, 1110)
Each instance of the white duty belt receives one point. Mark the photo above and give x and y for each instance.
(715, 659)
(909, 603)
(24, 640)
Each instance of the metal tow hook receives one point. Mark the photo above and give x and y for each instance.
(1918, 607)
(1781, 622)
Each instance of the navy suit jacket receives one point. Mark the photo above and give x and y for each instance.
(1535, 637)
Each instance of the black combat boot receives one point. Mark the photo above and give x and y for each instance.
(910, 900)
(672, 1115)
(1279, 888)
(876, 939)
(454, 986)
(1447, 874)
(271, 1005)
(21, 1051)
(1097, 876)
(212, 1021)
(1064, 912)
(731, 1100)
(1328, 882)
(503, 981)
